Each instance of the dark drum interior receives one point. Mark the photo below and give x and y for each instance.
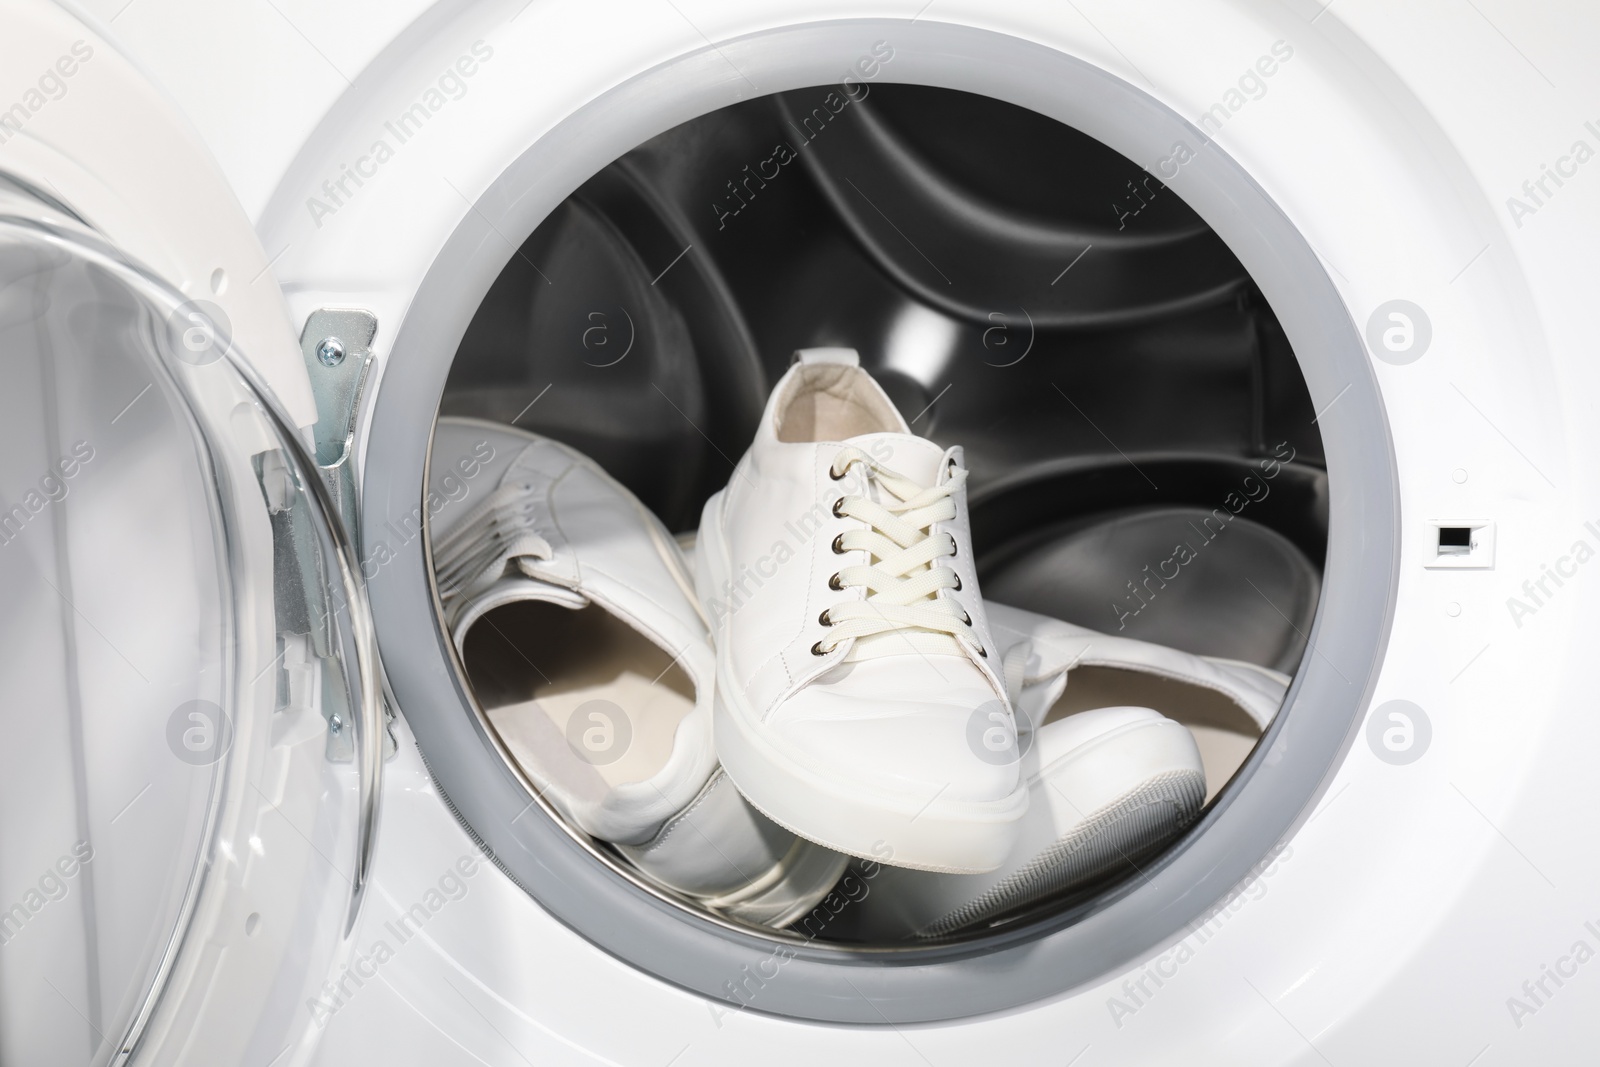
(1114, 375)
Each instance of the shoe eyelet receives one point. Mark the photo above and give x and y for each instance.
(816, 649)
(836, 583)
(837, 504)
(955, 549)
(824, 619)
(966, 620)
(837, 476)
(958, 583)
(984, 652)
(838, 546)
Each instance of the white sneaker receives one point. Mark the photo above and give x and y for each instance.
(853, 655)
(1109, 786)
(576, 619)
(1053, 648)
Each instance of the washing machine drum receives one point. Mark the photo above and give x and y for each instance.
(1146, 457)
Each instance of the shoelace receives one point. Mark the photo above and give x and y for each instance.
(503, 530)
(903, 608)
(474, 554)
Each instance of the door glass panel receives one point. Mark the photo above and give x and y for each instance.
(184, 782)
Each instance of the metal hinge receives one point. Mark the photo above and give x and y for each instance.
(336, 344)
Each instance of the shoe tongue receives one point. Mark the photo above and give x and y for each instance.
(915, 457)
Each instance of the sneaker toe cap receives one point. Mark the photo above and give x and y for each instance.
(956, 743)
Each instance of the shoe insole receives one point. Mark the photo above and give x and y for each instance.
(1223, 731)
(826, 403)
(536, 666)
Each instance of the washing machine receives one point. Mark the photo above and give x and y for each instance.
(1319, 273)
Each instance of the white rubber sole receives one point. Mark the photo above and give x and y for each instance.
(1111, 802)
(929, 834)
(1097, 811)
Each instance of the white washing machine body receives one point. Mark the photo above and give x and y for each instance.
(1428, 900)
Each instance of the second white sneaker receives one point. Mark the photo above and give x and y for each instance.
(1110, 785)
(576, 622)
(855, 677)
